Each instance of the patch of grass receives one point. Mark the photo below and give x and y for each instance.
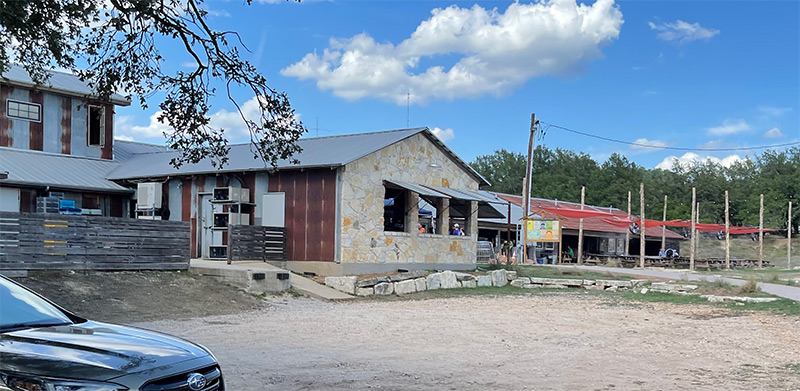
(781, 306)
(793, 367)
(556, 272)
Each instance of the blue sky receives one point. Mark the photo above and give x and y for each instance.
(697, 74)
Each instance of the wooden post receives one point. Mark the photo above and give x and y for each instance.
(727, 233)
(526, 185)
(694, 216)
(580, 229)
(789, 238)
(642, 235)
(560, 241)
(696, 232)
(664, 227)
(761, 233)
(628, 232)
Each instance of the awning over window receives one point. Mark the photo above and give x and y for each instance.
(419, 189)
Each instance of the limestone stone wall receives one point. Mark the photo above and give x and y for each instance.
(363, 239)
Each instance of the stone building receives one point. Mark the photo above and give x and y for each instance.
(352, 204)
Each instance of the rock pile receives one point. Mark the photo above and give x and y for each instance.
(417, 281)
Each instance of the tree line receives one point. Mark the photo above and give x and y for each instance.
(559, 174)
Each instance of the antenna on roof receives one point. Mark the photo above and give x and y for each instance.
(408, 109)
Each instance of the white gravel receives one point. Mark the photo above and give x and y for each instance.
(498, 343)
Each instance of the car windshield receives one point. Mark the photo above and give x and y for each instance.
(20, 308)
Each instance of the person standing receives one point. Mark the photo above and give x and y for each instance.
(457, 230)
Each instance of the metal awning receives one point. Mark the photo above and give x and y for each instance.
(419, 189)
(485, 207)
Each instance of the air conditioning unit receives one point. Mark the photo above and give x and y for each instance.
(148, 195)
(218, 252)
(231, 194)
(221, 220)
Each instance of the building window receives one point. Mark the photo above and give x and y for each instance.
(394, 210)
(97, 126)
(24, 110)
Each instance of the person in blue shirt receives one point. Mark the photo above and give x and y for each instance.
(662, 253)
(457, 230)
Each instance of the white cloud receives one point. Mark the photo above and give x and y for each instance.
(683, 32)
(123, 138)
(497, 52)
(774, 133)
(771, 111)
(444, 134)
(690, 158)
(235, 127)
(649, 144)
(728, 127)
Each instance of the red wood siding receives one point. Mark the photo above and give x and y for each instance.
(66, 125)
(5, 123)
(36, 129)
(107, 152)
(310, 212)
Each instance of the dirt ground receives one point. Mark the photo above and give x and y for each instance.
(124, 297)
(537, 342)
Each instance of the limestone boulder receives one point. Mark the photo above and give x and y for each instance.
(615, 283)
(346, 284)
(407, 275)
(484, 280)
(499, 277)
(384, 289)
(365, 291)
(433, 281)
(421, 284)
(371, 282)
(469, 283)
(449, 280)
(557, 281)
(464, 277)
(511, 275)
(405, 287)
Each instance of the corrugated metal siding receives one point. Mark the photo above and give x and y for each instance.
(310, 212)
(66, 125)
(20, 129)
(36, 136)
(5, 122)
(107, 151)
(65, 83)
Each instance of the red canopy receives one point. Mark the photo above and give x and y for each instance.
(618, 222)
(709, 227)
(678, 223)
(747, 230)
(577, 213)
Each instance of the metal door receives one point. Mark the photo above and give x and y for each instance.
(206, 213)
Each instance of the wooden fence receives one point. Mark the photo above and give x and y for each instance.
(251, 242)
(62, 242)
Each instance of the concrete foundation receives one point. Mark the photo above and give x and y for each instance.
(252, 280)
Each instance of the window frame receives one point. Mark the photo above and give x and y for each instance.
(102, 130)
(20, 102)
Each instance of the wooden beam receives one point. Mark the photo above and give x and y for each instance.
(580, 228)
(664, 227)
(727, 233)
(628, 232)
(761, 233)
(692, 232)
(642, 234)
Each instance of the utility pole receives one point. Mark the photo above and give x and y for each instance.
(526, 186)
(694, 216)
(761, 233)
(696, 232)
(663, 226)
(642, 235)
(580, 229)
(727, 233)
(628, 232)
(789, 238)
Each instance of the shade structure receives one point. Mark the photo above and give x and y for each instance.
(619, 222)
(748, 230)
(577, 213)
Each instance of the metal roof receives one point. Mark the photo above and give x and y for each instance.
(34, 168)
(331, 151)
(419, 189)
(61, 82)
(124, 150)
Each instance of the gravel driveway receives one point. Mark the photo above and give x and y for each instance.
(541, 342)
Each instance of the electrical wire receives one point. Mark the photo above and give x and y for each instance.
(549, 125)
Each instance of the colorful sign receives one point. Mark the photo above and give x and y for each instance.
(543, 230)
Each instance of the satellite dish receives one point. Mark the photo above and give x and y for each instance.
(634, 228)
(721, 235)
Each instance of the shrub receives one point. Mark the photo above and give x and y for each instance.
(751, 286)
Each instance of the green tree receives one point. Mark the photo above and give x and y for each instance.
(114, 46)
(503, 169)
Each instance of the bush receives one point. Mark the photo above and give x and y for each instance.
(751, 286)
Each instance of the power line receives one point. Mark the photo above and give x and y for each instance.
(665, 147)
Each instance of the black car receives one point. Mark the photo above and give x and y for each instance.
(46, 348)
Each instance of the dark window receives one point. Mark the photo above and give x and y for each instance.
(90, 201)
(394, 210)
(24, 110)
(97, 126)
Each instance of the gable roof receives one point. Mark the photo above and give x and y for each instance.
(317, 152)
(63, 172)
(124, 150)
(60, 82)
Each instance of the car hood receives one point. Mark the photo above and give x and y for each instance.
(91, 351)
